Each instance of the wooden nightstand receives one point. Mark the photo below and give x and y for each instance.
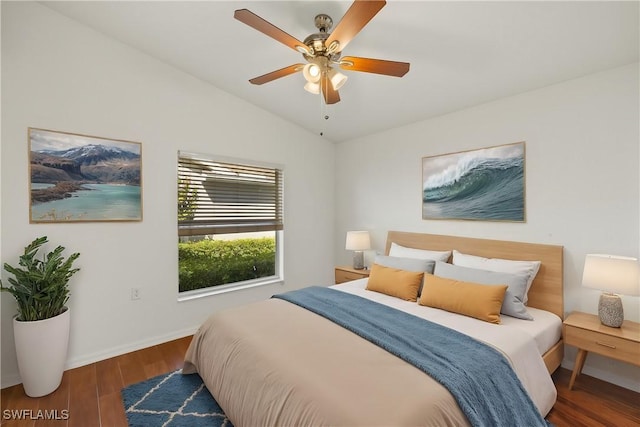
(585, 331)
(346, 274)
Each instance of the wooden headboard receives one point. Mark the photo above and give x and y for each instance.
(546, 292)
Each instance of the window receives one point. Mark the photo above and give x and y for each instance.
(229, 224)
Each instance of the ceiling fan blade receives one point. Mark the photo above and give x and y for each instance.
(266, 78)
(331, 96)
(254, 21)
(358, 15)
(376, 66)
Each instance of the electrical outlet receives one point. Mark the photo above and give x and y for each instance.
(135, 293)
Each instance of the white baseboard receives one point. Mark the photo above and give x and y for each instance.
(625, 382)
(13, 379)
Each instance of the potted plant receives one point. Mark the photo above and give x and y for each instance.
(41, 327)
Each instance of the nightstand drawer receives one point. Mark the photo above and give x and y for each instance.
(346, 276)
(610, 346)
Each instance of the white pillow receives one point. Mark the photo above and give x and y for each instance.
(408, 264)
(528, 268)
(400, 251)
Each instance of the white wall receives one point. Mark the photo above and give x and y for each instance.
(582, 180)
(583, 184)
(60, 75)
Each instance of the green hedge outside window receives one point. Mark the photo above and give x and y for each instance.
(208, 263)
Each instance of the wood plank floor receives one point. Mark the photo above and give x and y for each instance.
(91, 394)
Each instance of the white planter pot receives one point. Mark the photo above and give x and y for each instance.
(41, 347)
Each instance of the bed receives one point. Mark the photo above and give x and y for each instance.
(277, 363)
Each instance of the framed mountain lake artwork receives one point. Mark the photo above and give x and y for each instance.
(485, 184)
(81, 178)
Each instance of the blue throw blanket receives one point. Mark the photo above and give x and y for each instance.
(479, 377)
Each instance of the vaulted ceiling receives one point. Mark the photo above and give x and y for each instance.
(461, 53)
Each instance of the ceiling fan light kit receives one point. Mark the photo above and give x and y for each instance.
(312, 73)
(322, 50)
(313, 88)
(336, 78)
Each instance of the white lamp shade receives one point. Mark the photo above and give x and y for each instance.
(611, 273)
(337, 79)
(358, 241)
(311, 73)
(313, 88)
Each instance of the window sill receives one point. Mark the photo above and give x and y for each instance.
(223, 289)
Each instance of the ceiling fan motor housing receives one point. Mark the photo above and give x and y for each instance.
(316, 42)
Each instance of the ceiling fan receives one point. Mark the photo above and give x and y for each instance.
(322, 50)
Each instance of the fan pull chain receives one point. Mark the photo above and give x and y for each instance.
(323, 105)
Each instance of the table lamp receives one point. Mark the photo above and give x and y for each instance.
(613, 275)
(358, 241)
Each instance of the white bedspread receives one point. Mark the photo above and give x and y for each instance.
(516, 341)
(545, 329)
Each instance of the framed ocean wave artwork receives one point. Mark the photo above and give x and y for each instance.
(81, 178)
(487, 184)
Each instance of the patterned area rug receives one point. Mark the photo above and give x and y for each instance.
(172, 400)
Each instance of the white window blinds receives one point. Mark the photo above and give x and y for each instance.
(217, 197)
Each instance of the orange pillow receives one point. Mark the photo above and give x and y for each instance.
(395, 282)
(471, 299)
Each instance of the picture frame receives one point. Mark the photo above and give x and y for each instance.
(82, 178)
(486, 184)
